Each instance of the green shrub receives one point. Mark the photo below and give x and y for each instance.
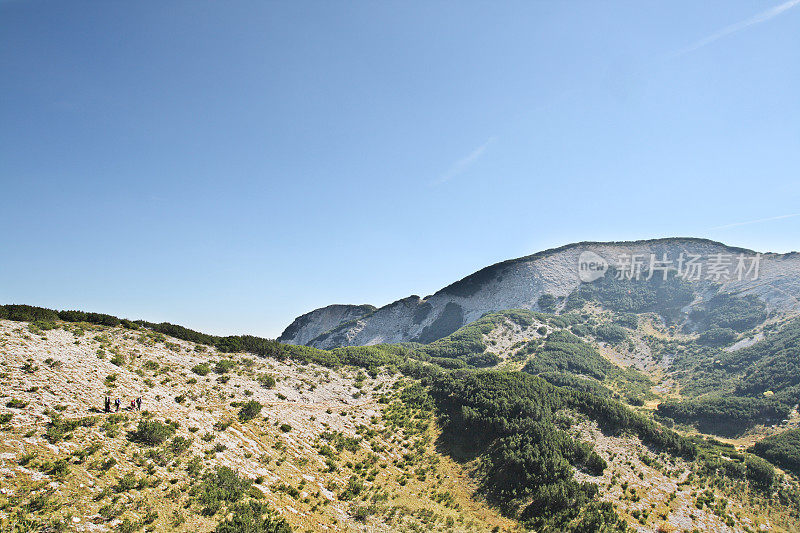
(14, 403)
(151, 432)
(634, 400)
(38, 502)
(29, 367)
(110, 511)
(341, 442)
(581, 330)
(58, 468)
(267, 380)
(564, 352)
(222, 425)
(760, 472)
(201, 369)
(595, 464)
(611, 333)
(253, 517)
(730, 312)
(126, 483)
(26, 458)
(128, 526)
(179, 444)
(627, 320)
(250, 410)
(224, 365)
(222, 485)
(59, 428)
(107, 464)
(194, 467)
(547, 303)
(717, 337)
(352, 489)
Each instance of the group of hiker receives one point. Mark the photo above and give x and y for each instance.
(136, 404)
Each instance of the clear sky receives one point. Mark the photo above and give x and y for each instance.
(230, 165)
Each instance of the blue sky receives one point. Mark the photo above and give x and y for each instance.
(230, 165)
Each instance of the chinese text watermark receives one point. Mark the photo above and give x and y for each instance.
(717, 267)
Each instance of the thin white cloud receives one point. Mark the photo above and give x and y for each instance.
(733, 28)
(465, 162)
(747, 223)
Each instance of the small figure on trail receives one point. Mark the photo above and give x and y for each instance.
(107, 405)
(139, 403)
(117, 403)
(133, 405)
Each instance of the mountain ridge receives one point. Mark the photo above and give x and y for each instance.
(519, 283)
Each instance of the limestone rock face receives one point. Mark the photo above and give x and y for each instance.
(310, 325)
(519, 283)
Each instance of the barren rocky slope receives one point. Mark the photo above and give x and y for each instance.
(321, 451)
(312, 324)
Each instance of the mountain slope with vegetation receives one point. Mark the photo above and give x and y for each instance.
(519, 420)
(221, 439)
(548, 281)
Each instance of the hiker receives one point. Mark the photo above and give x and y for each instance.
(117, 404)
(133, 405)
(107, 405)
(139, 403)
